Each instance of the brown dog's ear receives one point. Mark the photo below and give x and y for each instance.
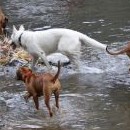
(28, 74)
(23, 73)
(25, 70)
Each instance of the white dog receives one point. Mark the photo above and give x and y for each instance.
(42, 43)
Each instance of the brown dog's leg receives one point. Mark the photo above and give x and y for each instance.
(35, 98)
(47, 102)
(56, 93)
(27, 96)
(47, 96)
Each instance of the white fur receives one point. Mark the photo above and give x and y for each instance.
(42, 43)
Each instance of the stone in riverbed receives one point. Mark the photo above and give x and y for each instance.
(54, 58)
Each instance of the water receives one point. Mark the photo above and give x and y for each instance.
(97, 97)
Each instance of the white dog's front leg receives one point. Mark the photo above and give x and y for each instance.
(43, 56)
(34, 61)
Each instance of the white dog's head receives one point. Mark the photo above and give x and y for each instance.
(16, 35)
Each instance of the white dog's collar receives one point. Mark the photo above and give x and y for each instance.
(19, 39)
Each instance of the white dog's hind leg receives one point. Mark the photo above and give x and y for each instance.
(70, 46)
(74, 58)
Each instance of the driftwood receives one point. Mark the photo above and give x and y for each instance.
(8, 55)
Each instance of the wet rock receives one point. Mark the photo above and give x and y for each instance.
(54, 58)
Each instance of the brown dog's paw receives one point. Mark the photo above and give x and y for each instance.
(51, 114)
(26, 98)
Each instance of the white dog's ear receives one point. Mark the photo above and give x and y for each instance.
(21, 28)
(14, 29)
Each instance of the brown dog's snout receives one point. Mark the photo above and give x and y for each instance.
(18, 75)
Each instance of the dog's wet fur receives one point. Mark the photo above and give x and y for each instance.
(40, 85)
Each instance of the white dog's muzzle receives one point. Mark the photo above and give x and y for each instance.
(13, 45)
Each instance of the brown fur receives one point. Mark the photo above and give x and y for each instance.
(40, 84)
(125, 50)
(3, 22)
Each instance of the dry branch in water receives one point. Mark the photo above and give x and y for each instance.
(7, 54)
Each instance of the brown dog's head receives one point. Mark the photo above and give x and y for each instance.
(22, 73)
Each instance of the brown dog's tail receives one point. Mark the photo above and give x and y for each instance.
(124, 50)
(57, 74)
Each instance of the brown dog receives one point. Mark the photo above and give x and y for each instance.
(125, 50)
(40, 84)
(3, 22)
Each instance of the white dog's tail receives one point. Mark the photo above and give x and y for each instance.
(89, 41)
